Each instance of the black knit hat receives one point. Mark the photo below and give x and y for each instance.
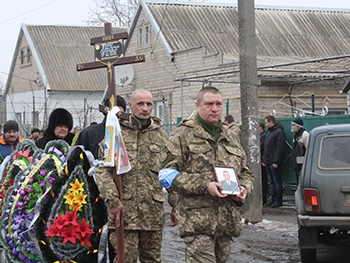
(120, 102)
(58, 117)
(10, 125)
(298, 122)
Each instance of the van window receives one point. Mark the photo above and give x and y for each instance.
(335, 152)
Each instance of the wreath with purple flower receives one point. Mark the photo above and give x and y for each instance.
(19, 160)
(30, 188)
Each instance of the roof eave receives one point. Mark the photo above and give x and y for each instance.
(157, 29)
(9, 79)
(36, 57)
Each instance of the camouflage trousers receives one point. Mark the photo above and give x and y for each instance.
(204, 249)
(139, 244)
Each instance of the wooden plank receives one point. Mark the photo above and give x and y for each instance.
(107, 38)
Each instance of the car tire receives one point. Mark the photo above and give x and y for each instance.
(308, 255)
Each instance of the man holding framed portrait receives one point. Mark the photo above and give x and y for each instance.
(223, 176)
(208, 217)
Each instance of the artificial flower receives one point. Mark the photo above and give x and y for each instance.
(27, 189)
(69, 234)
(77, 186)
(84, 228)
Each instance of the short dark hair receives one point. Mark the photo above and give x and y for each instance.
(270, 118)
(229, 118)
(262, 125)
(205, 90)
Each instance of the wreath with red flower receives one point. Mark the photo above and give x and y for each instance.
(73, 217)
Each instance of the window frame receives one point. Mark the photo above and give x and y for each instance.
(144, 35)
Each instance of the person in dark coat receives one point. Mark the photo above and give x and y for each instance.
(272, 159)
(91, 136)
(60, 123)
(300, 143)
(264, 180)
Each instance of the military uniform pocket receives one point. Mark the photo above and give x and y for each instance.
(197, 216)
(154, 164)
(201, 155)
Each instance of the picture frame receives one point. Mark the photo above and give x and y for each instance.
(223, 174)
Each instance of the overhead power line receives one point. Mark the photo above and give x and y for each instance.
(30, 11)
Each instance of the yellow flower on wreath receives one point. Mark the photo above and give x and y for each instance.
(77, 186)
(75, 197)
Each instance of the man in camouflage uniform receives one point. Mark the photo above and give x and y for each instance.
(234, 126)
(207, 218)
(142, 196)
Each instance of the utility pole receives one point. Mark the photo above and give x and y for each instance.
(249, 103)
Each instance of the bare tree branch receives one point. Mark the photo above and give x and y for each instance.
(118, 12)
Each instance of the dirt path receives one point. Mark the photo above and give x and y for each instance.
(272, 240)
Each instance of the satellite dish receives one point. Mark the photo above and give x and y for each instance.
(124, 75)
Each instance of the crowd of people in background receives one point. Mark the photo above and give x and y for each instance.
(272, 142)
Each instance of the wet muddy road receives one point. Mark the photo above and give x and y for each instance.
(274, 239)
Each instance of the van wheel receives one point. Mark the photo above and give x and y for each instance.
(308, 255)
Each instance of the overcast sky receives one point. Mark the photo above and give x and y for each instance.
(76, 12)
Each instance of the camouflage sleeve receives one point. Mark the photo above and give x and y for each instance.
(170, 155)
(104, 180)
(175, 157)
(172, 197)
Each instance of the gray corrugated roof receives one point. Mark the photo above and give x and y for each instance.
(279, 32)
(60, 48)
(298, 33)
(282, 35)
(188, 26)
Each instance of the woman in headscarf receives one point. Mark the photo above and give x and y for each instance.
(60, 123)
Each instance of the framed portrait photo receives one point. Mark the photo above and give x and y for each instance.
(227, 177)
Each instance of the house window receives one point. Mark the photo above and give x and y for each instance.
(18, 116)
(160, 110)
(25, 55)
(144, 35)
(140, 36)
(29, 55)
(22, 57)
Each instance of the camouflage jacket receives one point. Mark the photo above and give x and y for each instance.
(236, 128)
(142, 194)
(193, 153)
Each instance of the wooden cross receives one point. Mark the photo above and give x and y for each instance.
(109, 52)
